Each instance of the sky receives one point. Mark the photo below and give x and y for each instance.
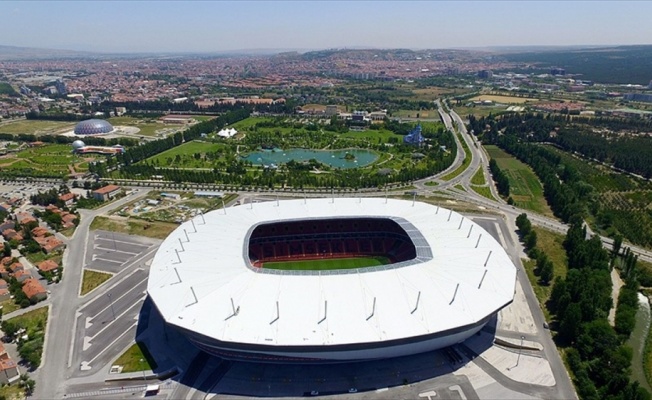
(219, 26)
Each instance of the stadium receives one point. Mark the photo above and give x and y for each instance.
(329, 280)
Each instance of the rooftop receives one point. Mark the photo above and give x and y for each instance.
(460, 276)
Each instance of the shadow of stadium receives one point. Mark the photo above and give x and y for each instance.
(177, 358)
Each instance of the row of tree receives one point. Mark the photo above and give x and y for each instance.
(544, 267)
(502, 182)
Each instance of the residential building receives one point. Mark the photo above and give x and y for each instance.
(67, 198)
(49, 243)
(8, 371)
(9, 224)
(22, 275)
(644, 98)
(105, 193)
(10, 234)
(24, 218)
(34, 290)
(485, 74)
(47, 265)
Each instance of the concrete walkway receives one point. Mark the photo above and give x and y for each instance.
(617, 283)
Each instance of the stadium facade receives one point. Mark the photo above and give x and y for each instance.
(446, 279)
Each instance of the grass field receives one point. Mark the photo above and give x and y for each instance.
(35, 126)
(327, 264)
(8, 306)
(504, 99)
(525, 188)
(372, 135)
(157, 230)
(92, 280)
(147, 126)
(465, 163)
(478, 177)
(483, 191)
(185, 154)
(479, 111)
(32, 320)
(131, 359)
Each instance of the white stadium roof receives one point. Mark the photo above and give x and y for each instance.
(198, 290)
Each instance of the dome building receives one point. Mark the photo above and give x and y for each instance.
(78, 144)
(93, 127)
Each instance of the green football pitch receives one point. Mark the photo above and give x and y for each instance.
(327, 264)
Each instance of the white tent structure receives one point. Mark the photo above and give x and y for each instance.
(227, 132)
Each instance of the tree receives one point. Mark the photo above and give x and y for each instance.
(569, 328)
(27, 383)
(531, 240)
(618, 242)
(547, 273)
(7, 249)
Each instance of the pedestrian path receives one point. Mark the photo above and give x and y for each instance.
(105, 392)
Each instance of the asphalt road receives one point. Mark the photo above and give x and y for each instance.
(56, 365)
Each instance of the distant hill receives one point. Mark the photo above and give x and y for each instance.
(615, 64)
(14, 53)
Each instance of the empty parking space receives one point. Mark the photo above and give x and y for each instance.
(112, 252)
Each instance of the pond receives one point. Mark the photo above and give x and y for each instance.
(334, 158)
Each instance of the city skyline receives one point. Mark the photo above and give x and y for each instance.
(209, 27)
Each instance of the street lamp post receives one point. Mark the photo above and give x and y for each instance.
(519, 351)
(111, 304)
(141, 362)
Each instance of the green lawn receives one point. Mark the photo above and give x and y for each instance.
(525, 188)
(92, 280)
(186, 154)
(8, 306)
(131, 359)
(372, 135)
(478, 177)
(33, 320)
(483, 191)
(328, 264)
(465, 163)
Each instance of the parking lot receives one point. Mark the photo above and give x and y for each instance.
(111, 252)
(107, 322)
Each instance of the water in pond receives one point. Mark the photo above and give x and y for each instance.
(637, 340)
(334, 158)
